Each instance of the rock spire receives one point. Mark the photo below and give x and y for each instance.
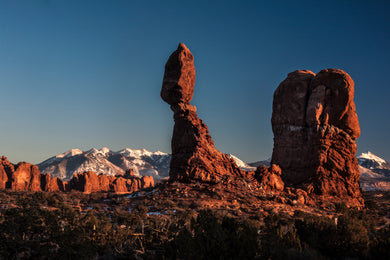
(194, 156)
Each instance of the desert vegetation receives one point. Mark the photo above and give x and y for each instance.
(45, 225)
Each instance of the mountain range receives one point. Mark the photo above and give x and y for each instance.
(105, 161)
(375, 171)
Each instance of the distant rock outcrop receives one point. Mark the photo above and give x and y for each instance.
(26, 177)
(51, 184)
(194, 156)
(315, 127)
(89, 182)
(3, 177)
(6, 170)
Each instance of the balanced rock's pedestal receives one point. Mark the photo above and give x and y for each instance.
(315, 127)
(194, 156)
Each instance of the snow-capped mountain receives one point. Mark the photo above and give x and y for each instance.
(244, 166)
(374, 163)
(105, 161)
(375, 172)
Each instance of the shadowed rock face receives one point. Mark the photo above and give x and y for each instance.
(194, 156)
(51, 184)
(315, 126)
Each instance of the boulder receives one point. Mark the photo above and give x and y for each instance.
(179, 77)
(194, 156)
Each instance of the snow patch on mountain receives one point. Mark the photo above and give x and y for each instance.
(70, 153)
(241, 164)
(108, 162)
(375, 172)
(364, 157)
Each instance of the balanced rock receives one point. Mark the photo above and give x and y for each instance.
(179, 77)
(194, 156)
(315, 129)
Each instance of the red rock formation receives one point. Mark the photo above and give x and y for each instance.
(26, 177)
(104, 182)
(3, 177)
(270, 178)
(179, 77)
(119, 185)
(88, 182)
(51, 184)
(129, 174)
(8, 168)
(134, 184)
(194, 156)
(147, 182)
(315, 126)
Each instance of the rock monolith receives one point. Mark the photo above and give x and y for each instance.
(194, 156)
(315, 128)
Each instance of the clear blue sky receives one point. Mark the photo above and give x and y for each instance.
(83, 74)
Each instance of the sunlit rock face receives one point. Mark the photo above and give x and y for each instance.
(315, 128)
(194, 156)
(89, 182)
(26, 177)
(270, 178)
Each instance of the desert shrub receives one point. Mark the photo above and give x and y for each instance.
(279, 238)
(348, 238)
(341, 207)
(381, 244)
(212, 237)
